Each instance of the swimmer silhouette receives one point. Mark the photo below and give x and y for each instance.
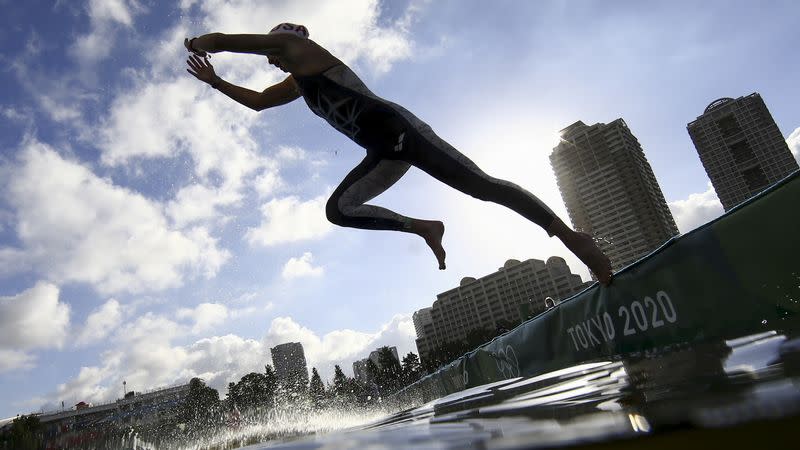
(394, 140)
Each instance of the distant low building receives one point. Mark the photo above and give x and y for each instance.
(360, 366)
(86, 423)
(514, 293)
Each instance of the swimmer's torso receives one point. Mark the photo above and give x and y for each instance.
(344, 101)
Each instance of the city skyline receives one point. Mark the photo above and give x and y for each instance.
(152, 230)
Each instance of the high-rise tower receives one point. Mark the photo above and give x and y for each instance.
(740, 147)
(290, 365)
(610, 190)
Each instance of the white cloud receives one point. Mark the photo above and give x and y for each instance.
(205, 316)
(289, 153)
(793, 141)
(16, 360)
(32, 319)
(351, 33)
(86, 387)
(341, 346)
(111, 11)
(290, 220)
(222, 359)
(208, 128)
(696, 210)
(211, 129)
(104, 16)
(100, 323)
(301, 267)
(16, 115)
(78, 227)
(267, 183)
(196, 203)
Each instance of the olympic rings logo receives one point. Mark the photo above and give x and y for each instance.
(507, 362)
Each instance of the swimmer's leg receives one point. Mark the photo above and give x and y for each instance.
(347, 205)
(442, 161)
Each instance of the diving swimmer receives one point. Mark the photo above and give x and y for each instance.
(393, 137)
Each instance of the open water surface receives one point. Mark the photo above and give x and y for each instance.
(736, 393)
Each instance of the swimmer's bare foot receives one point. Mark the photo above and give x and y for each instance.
(432, 231)
(584, 247)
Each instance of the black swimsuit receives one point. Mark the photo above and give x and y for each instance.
(395, 140)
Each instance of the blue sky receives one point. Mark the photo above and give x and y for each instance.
(152, 230)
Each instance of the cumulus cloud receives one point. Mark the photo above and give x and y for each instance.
(197, 203)
(214, 131)
(301, 267)
(87, 387)
(696, 210)
(205, 316)
(352, 33)
(290, 220)
(100, 323)
(16, 360)
(104, 17)
(32, 319)
(341, 347)
(289, 153)
(793, 141)
(79, 227)
(222, 359)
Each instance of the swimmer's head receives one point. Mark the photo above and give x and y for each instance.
(290, 28)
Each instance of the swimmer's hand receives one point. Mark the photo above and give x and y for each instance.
(188, 44)
(203, 70)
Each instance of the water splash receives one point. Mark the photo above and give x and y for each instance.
(283, 424)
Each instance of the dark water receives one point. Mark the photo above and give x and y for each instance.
(727, 394)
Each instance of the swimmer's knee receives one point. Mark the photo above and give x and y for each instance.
(333, 214)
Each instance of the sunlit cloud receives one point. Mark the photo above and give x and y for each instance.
(290, 220)
(104, 16)
(100, 323)
(301, 267)
(341, 347)
(696, 210)
(793, 141)
(79, 227)
(204, 316)
(351, 33)
(33, 319)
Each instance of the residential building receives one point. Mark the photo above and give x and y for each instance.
(741, 148)
(85, 423)
(610, 190)
(360, 366)
(516, 292)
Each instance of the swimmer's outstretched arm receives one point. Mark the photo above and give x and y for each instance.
(275, 95)
(259, 44)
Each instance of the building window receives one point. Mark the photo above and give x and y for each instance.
(755, 178)
(742, 152)
(728, 125)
